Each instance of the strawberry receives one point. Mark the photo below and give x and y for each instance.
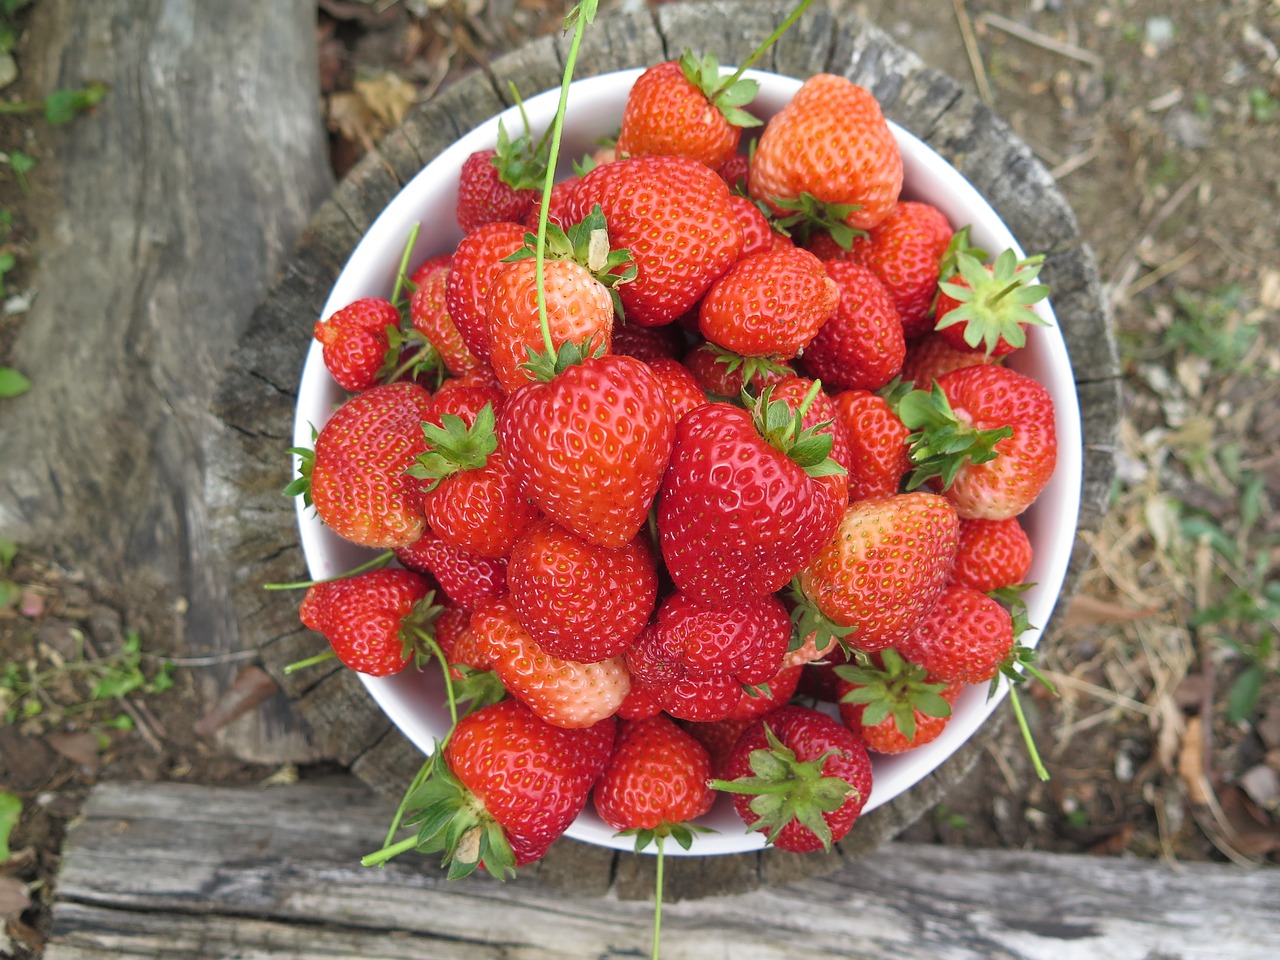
(718, 738)
(673, 215)
(992, 554)
(465, 396)
(589, 448)
(757, 234)
(931, 356)
(766, 697)
(723, 373)
(894, 706)
(430, 316)
(357, 348)
(884, 568)
(734, 172)
(769, 304)
(861, 346)
(987, 434)
(988, 308)
(558, 210)
(799, 776)
(878, 454)
(685, 108)
(358, 483)
(477, 259)
(562, 692)
(747, 500)
(820, 415)
(830, 143)
(577, 600)
(905, 250)
(964, 638)
(467, 579)
(374, 621)
(508, 787)
(648, 343)
(502, 183)
(682, 391)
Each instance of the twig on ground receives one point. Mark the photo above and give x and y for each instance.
(1074, 162)
(1123, 274)
(1098, 693)
(1038, 39)
(974, 54)
(1165, 269)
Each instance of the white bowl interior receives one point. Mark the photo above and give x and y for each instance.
(414, 702)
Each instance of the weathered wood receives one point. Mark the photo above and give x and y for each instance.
(256, 398)
(180, 871)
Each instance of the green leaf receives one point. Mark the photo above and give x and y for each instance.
(8, 551)
(61, 106)
(1242, 699)
(12, 383)
(10, 811)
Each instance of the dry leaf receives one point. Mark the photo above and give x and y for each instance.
(13, 897)
(1086, 611)
(349, 116)
(1251, 834)
(1116, 843)
(81, 748)
(1191, 763)
(388, 95)
(251, 686)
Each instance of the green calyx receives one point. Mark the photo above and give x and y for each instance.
(545, 366)
(807, 620)
(681, 833)
(785, 788)
(993, 302)
(752, 369)
(783, 429)
(477, 688)
(939, 443)
(417, 630)
(727, 94)
(521, 163)
(300, 486)
(806, 215)
(453, 822)
(453, 446)
(897, 689)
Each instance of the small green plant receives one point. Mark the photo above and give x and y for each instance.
(1262, 105)
(10, 810)
(21, 164)
(1213, 326)
(950, 819)
(12, 383)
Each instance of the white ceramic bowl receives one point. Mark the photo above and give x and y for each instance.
(415, 701)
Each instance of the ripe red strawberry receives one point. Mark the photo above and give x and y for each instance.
(590, 447)
(558, 210)
(685, 108)
(683, 392)
(562, 692)
(894, 706)
(735, 170)
(964, 638)
(648, 343)
(747, 500)
(884, 567)
(509, 786)
(656, 781)
(357, 346)
(931, 356)
(821, 416)
(992, 554)
(466, 578)
(358, 482)
(477, 259)
(465, 396)
(905, 250)
(861, 346)
(988, 308)
(430, 316)
(878, 453)
(723, 373)
(757, 234)
(768, 696)
(769, 304)
(830, 141)
(673, 215)
(500, 184)
(372, 620)
(1007, 421)
(718, 737)
(799, 776)
(580, 601)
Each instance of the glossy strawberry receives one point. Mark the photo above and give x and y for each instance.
(818, 412)
(757, 234)
(987, 308)
(580, 601)
(931, 356)
(372, 620)
(905, 250)
(992, 554)
(878, 453)
(356, 343)
(501, 183)
(894, 705)
(800, 777)
(477, 259)
(682, 391)
(830, 141)
(429, 315)
(467, 579)
(964, 638)
(861, 346)
(359, 485)
(718, 738)
(590, 447)
(722, 373)
(656, 780)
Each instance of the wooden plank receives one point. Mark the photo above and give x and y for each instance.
(178, 871)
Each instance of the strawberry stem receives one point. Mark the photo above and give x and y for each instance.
(657, 902)
(401, 278)
(1027, 738)
(773, 38)
(381, 560)
(308, 662)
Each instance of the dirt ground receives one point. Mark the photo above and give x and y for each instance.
(1160, 121)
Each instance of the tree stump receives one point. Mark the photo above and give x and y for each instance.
(248, 466)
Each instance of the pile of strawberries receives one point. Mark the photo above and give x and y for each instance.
(666, 456)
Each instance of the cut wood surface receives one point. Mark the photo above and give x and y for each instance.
(256, 528)
(180, 871)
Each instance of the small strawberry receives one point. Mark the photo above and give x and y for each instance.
(822, 417)
(964, 638)
(562, 692)
(466, 578)
(895, 706)
(757, 234)
(735, 171)
(768, 696)
(430, 316)
(648, 343)
(357, 342)
(905, 250)
(831, 144)
(358, 482)
(800, 777)
(861, 345)
(988, 308)
(931, 356)
(477, 259)
(558, 209)
(502, 183)
(682, 391)
(718, 738)
(580, 601)
(992, 554)
(723, 373)
(877, 440)
(375, 621)
(769, 304)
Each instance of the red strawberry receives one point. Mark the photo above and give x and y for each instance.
(373, 620)
(896, 706)
(905, 250)
(682, 391)
(590, 447)
(830, 141)
(500, 184)
(558, 210)
(757, 234)
(656, 781)
(718, 737)
(466, 578)
(821, 416)
(725, 374)
(734, 171)
(987, 308)
(509, 786)
(861, 346)
(465, 396)
(885, 566)
(745, 639)
(740, 514)
(430, 316)
(357, 346)
(562, 692)
(580, 601)
(476, 261)
(674, 216)
(992, 554)
(964, 638)
(799, 776)
(1007, 422)
(769, 304)
(932, 356)
(648, 343)
(358, 482)
(685, 108)
(878, 453)
(769, 696)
